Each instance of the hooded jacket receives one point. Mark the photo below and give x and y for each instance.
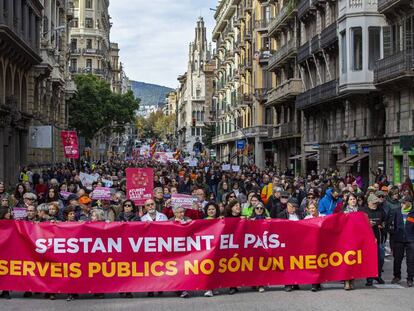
(404, 232)
(327, 204)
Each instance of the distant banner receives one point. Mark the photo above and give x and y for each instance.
(140, 184)
(70, 144)
(166, 256)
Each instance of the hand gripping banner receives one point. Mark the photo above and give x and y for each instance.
(167, 256)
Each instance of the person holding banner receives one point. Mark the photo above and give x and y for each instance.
(233, 210)
(151, 214)
(129, 212)
(5, 214)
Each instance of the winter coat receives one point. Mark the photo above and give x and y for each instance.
(128, 217)
(403, 232)
(327, 204)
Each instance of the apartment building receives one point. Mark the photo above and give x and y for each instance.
(195, 91)
(241, 82)
(90, 48)
(34, 83)
(285, 133)
(393, 76)
(342, 111)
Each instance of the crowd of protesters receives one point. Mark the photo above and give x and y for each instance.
(249, 193)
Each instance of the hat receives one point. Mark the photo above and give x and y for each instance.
(284, 194)
(380, 193)
(293, 202)
(72, 197)
(85, 200)
(277, 189)
(370, 188)
(373, 199)
(384, 188)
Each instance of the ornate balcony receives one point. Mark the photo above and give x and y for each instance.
(304, 52)
(394, 67)
(282, 54)
(284, 130)
(284, 92)
(281, 19)
(249, 132)
(315, 44)
(317, 95)
(261, 25)
(329, 36)
(304, 8)
(265, 55)
(390, 6)
(260, 94)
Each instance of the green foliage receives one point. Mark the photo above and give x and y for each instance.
(157, 125)
(209, 132)
(94, 107)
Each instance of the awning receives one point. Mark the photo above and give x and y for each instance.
(358, 158)
(297, 157)
(344, 160)
(303, 155)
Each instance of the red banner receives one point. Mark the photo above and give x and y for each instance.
(200, 255)
(140, 184)
(70, 144)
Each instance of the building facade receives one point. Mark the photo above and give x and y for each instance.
(393, 75)
(195, 91)
(90, 48)
(34, 83)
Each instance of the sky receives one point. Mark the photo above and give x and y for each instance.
(153, 36)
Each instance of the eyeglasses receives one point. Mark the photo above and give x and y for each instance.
(232, 196)
(259, 208)
(127, 205)
(149, 204)
(381, 196)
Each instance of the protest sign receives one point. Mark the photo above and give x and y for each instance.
(140, 184)
(101, 193)
(182, 200)
(19, 213)
(235, 168)
(87, 180)
(226, 167)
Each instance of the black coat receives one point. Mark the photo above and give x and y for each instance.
(128, 217)
(404, 232)
(274, 207)
(285, 215)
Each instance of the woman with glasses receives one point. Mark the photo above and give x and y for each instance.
(129, 212)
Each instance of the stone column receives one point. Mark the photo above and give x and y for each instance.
(19, 16)
(1, 21)
(26, 22)
(259, 153)
(32, 29)
(10, 14)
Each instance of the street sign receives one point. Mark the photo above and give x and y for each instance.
(241, 144)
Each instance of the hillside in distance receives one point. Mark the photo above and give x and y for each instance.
(150, 94)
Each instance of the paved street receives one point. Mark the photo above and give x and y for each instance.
(386, 297)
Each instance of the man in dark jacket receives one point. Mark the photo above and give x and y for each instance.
(391, 205)
(273, 205)
(404, 240)
(377, 219)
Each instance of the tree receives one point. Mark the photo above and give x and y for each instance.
(94, 107)
(209, 132)
(156, 126)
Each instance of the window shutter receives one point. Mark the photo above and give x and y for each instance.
(386, 32)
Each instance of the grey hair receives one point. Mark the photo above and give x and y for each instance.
(99, 214)
(30, 195)
(43, 207)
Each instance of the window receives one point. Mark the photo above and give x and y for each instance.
(198, 131)
(357, 48)
(198, 93)
(73, 44)
(89, 63)
(73, 65)
(198, 116)
(76, 4)
(193, 131)
(88, 4)
(89, 43)
(374, 46)
(74, 23)
(343, 52)
(89, 22)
